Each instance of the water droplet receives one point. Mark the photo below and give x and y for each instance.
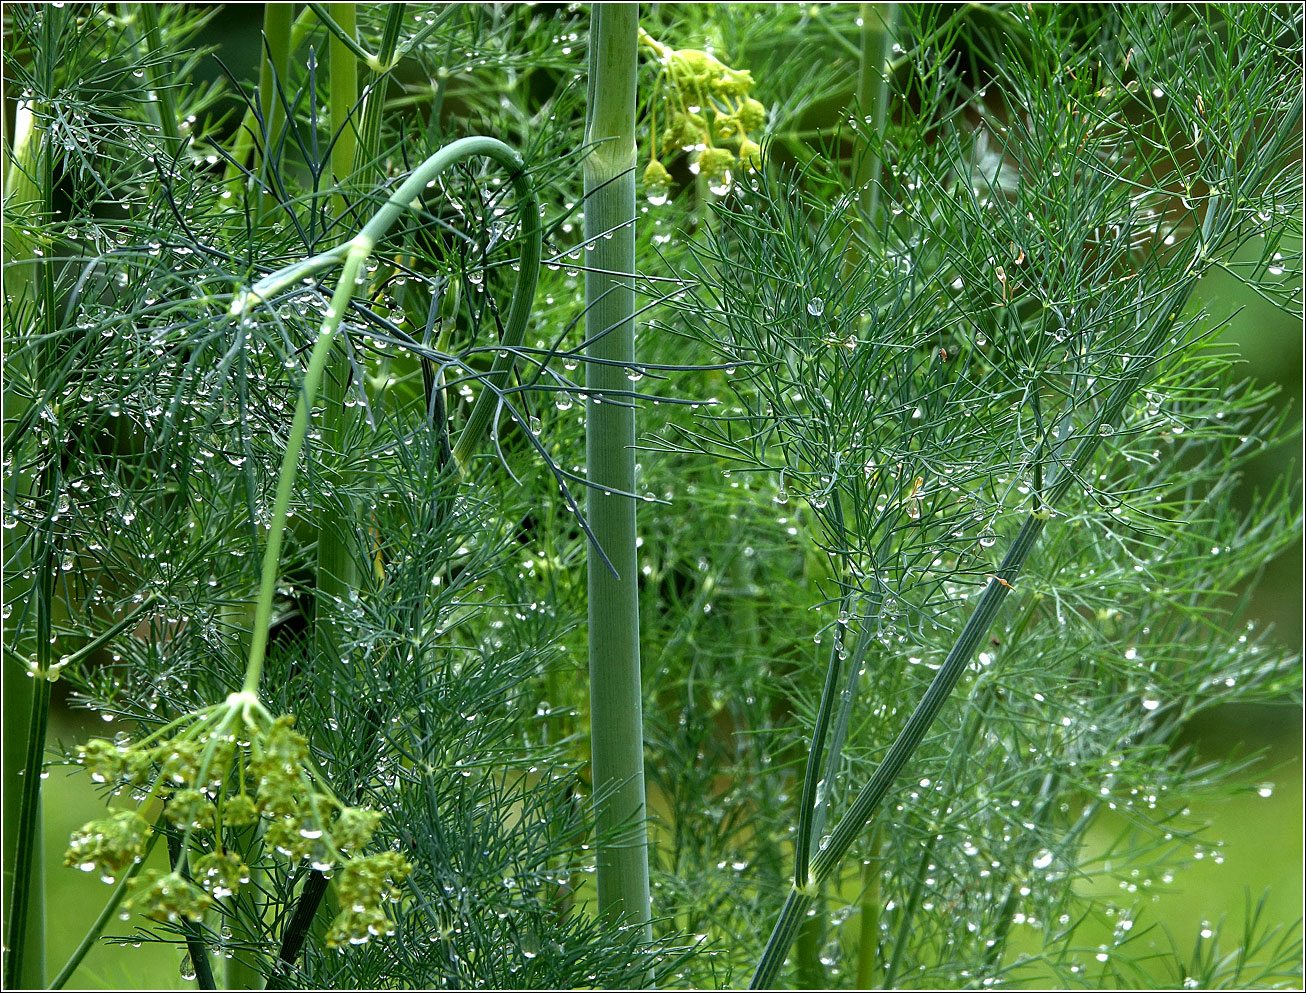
(816, 306)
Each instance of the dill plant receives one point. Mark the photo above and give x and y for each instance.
(926, 413)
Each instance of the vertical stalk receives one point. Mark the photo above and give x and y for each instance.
(241, 971)
(160, 107)
(343, 98)
(274, 67)
(283, 37)
(868, 928)
(29, 284)
(873, 100)
(356, 252)
(368, 165)
(274, 64)
(808, 972)
(337, 573)
(616, 705)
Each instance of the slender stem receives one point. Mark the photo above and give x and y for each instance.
(244, 968)
(290, 462)
(301, 923)
(344, 31)
(26, 924)
(616, 706)
(31, 180)
(106, 636)
(931, 703)
(856, 661)
(812, 798)
(782, 937)
(195, 948)
(815, 803)
(352, 253)
(908, 913)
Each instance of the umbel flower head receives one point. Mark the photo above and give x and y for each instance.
(110, 845)
(230, 766)
(703, 102)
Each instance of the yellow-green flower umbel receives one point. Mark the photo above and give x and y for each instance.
(230, 766)
(704, 103)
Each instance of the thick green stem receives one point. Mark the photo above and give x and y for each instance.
(343, 99)
(273, 69)
(22, 197)
(616, 703)
(808, 971)
(335, 514)
(873, 100)
(275, 62)
(369, 166)
(868, 918)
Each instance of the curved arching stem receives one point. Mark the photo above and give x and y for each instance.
(350, 257)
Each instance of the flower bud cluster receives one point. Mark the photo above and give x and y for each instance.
(704, 102)
(111, 845)
(362, 884)
(234, 766)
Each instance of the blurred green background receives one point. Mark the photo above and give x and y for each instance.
(1260, 828)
